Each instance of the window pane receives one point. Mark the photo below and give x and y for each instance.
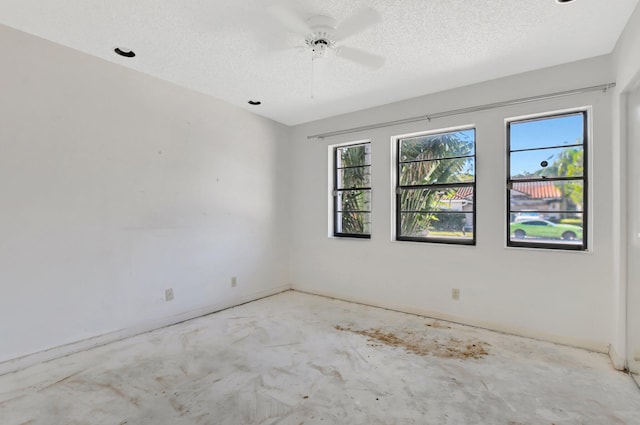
(353, 223)
(354, 178)
(444, 145)
(560, 162)
(551, 208)
(442, 225)
(350, 156)
(542, 198)
(450, 199)
(352, 190)
(354, 200)
(442, 171)
(433, 211)
(557, 228)
(556, 131)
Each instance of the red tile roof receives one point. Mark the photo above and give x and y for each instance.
(463, 193)
(538, 190)
(532, 190)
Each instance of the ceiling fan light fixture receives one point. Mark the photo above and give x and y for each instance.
(318, 46)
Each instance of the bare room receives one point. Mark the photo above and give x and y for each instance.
(294, 212)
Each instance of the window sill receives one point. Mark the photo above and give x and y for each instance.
(554, 250)
(431, 243)
(350, 238)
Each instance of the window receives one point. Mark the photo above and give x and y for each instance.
(352, 191)
(546, 184)
(435, 189)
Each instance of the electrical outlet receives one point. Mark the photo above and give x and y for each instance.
(168, 294)
(455, 294)
(234, 282)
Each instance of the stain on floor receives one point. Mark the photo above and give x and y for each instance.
(422, 344)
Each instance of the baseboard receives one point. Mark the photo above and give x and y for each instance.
(19, 363)
(617, 361)
(496, 327)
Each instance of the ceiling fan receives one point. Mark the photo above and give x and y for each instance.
(322, 35)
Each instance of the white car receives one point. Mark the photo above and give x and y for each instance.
(526, 216)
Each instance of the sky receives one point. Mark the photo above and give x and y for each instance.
(560, 131)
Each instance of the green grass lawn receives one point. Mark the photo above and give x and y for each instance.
(439, 233)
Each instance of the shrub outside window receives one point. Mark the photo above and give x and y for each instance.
(546, 184)
(435, 191)
(352, 191)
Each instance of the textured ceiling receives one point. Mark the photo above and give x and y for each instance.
(234, 50)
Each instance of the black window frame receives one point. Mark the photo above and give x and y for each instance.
(336, 191)
(399, 188)
(585, 184)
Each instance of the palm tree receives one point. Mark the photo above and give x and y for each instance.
(570, 164)
(354, 174)
(426, 162)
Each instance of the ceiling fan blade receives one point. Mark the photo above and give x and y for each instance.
(358, 22)
(291, 20)
(360, 56)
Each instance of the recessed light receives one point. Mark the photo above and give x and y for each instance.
(127, 53)
(564, 1)
(254, 102)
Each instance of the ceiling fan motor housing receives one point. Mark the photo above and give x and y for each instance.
(321, 38)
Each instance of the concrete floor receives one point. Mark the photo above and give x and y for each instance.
(296, 359)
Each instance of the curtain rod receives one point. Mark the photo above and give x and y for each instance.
(603, 87)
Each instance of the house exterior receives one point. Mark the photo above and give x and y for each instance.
(542, 196)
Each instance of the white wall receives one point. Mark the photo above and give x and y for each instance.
(633, 222)
(559, 296)
(625, 57)
(115, 186)
(625, 138)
